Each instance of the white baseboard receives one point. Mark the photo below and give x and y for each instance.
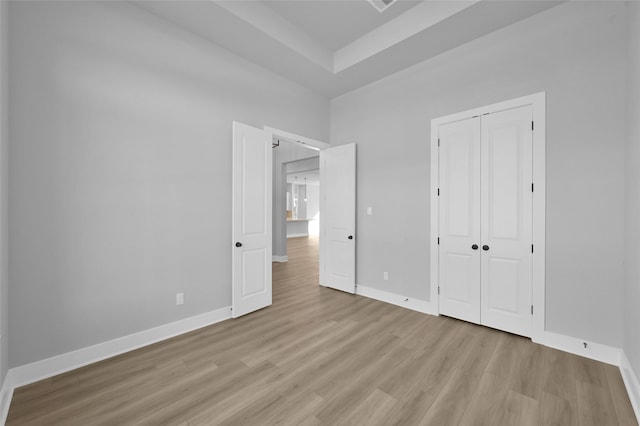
(596, 351)
(631, 383)
(396, 299)
(297, 235)
(6, 393)
(280, 259)
(49, 367)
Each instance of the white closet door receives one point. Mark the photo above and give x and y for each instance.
(506, 200)
(459, 227)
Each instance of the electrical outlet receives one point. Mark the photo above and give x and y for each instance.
(385, 276)
(180, 299)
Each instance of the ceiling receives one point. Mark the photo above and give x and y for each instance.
(334, 24)
(333, 47)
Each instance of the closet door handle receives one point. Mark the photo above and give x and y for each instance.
(238, 244)
(485, 247)
(350, 237)
(475, 247)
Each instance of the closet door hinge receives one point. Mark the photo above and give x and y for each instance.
(531, 309)
(438, 289)
(532, 126)
(531, 248)
(531, 186)
(438, 240)
(438, 192)
(438, 142)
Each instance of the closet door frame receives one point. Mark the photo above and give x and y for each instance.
(538, 104)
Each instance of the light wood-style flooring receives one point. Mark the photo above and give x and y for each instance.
(322, 357)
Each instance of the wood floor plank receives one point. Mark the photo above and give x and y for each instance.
(619, 396)
(526, 379)
(487, 401)
(589, 371)
(452, 401)
(411, 409)
(595, 406)
(559, 375)
(322, 357)
(298, 408)
(371, 411)
(519, 410)
(556, 411)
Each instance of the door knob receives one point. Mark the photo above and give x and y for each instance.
(238, 244)
(475, 247)
(350, 237)
(485, 247)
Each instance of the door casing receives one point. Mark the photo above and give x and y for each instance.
(537, 101)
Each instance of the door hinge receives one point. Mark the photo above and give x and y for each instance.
(438, 240)
(438, 289)
(531, 186)
(531, 248)
(438, 141)
(531, 309)
(438, 192)
(532, 126)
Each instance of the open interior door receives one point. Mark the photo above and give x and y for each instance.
(338, 224)
(251, 227)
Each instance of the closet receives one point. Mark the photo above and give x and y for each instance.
(485, 219)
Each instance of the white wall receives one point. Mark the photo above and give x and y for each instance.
(575, 52)
(632, 179)
(313, 200)
(120, 180)
(4, 174)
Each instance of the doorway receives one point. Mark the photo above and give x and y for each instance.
(296, 184)
(296, 216)
(253, 215)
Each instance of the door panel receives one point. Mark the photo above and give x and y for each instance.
(459, 272)
(506, 200)
(338, 222)
(253, 283)
(502, 273)
(251, 228)
(459, 211)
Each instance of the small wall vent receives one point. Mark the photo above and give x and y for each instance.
(382, 5)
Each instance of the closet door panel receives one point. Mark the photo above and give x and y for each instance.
(506, 220)
(459, 227)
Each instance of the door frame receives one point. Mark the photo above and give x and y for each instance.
(538, 104)
(293, 138)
